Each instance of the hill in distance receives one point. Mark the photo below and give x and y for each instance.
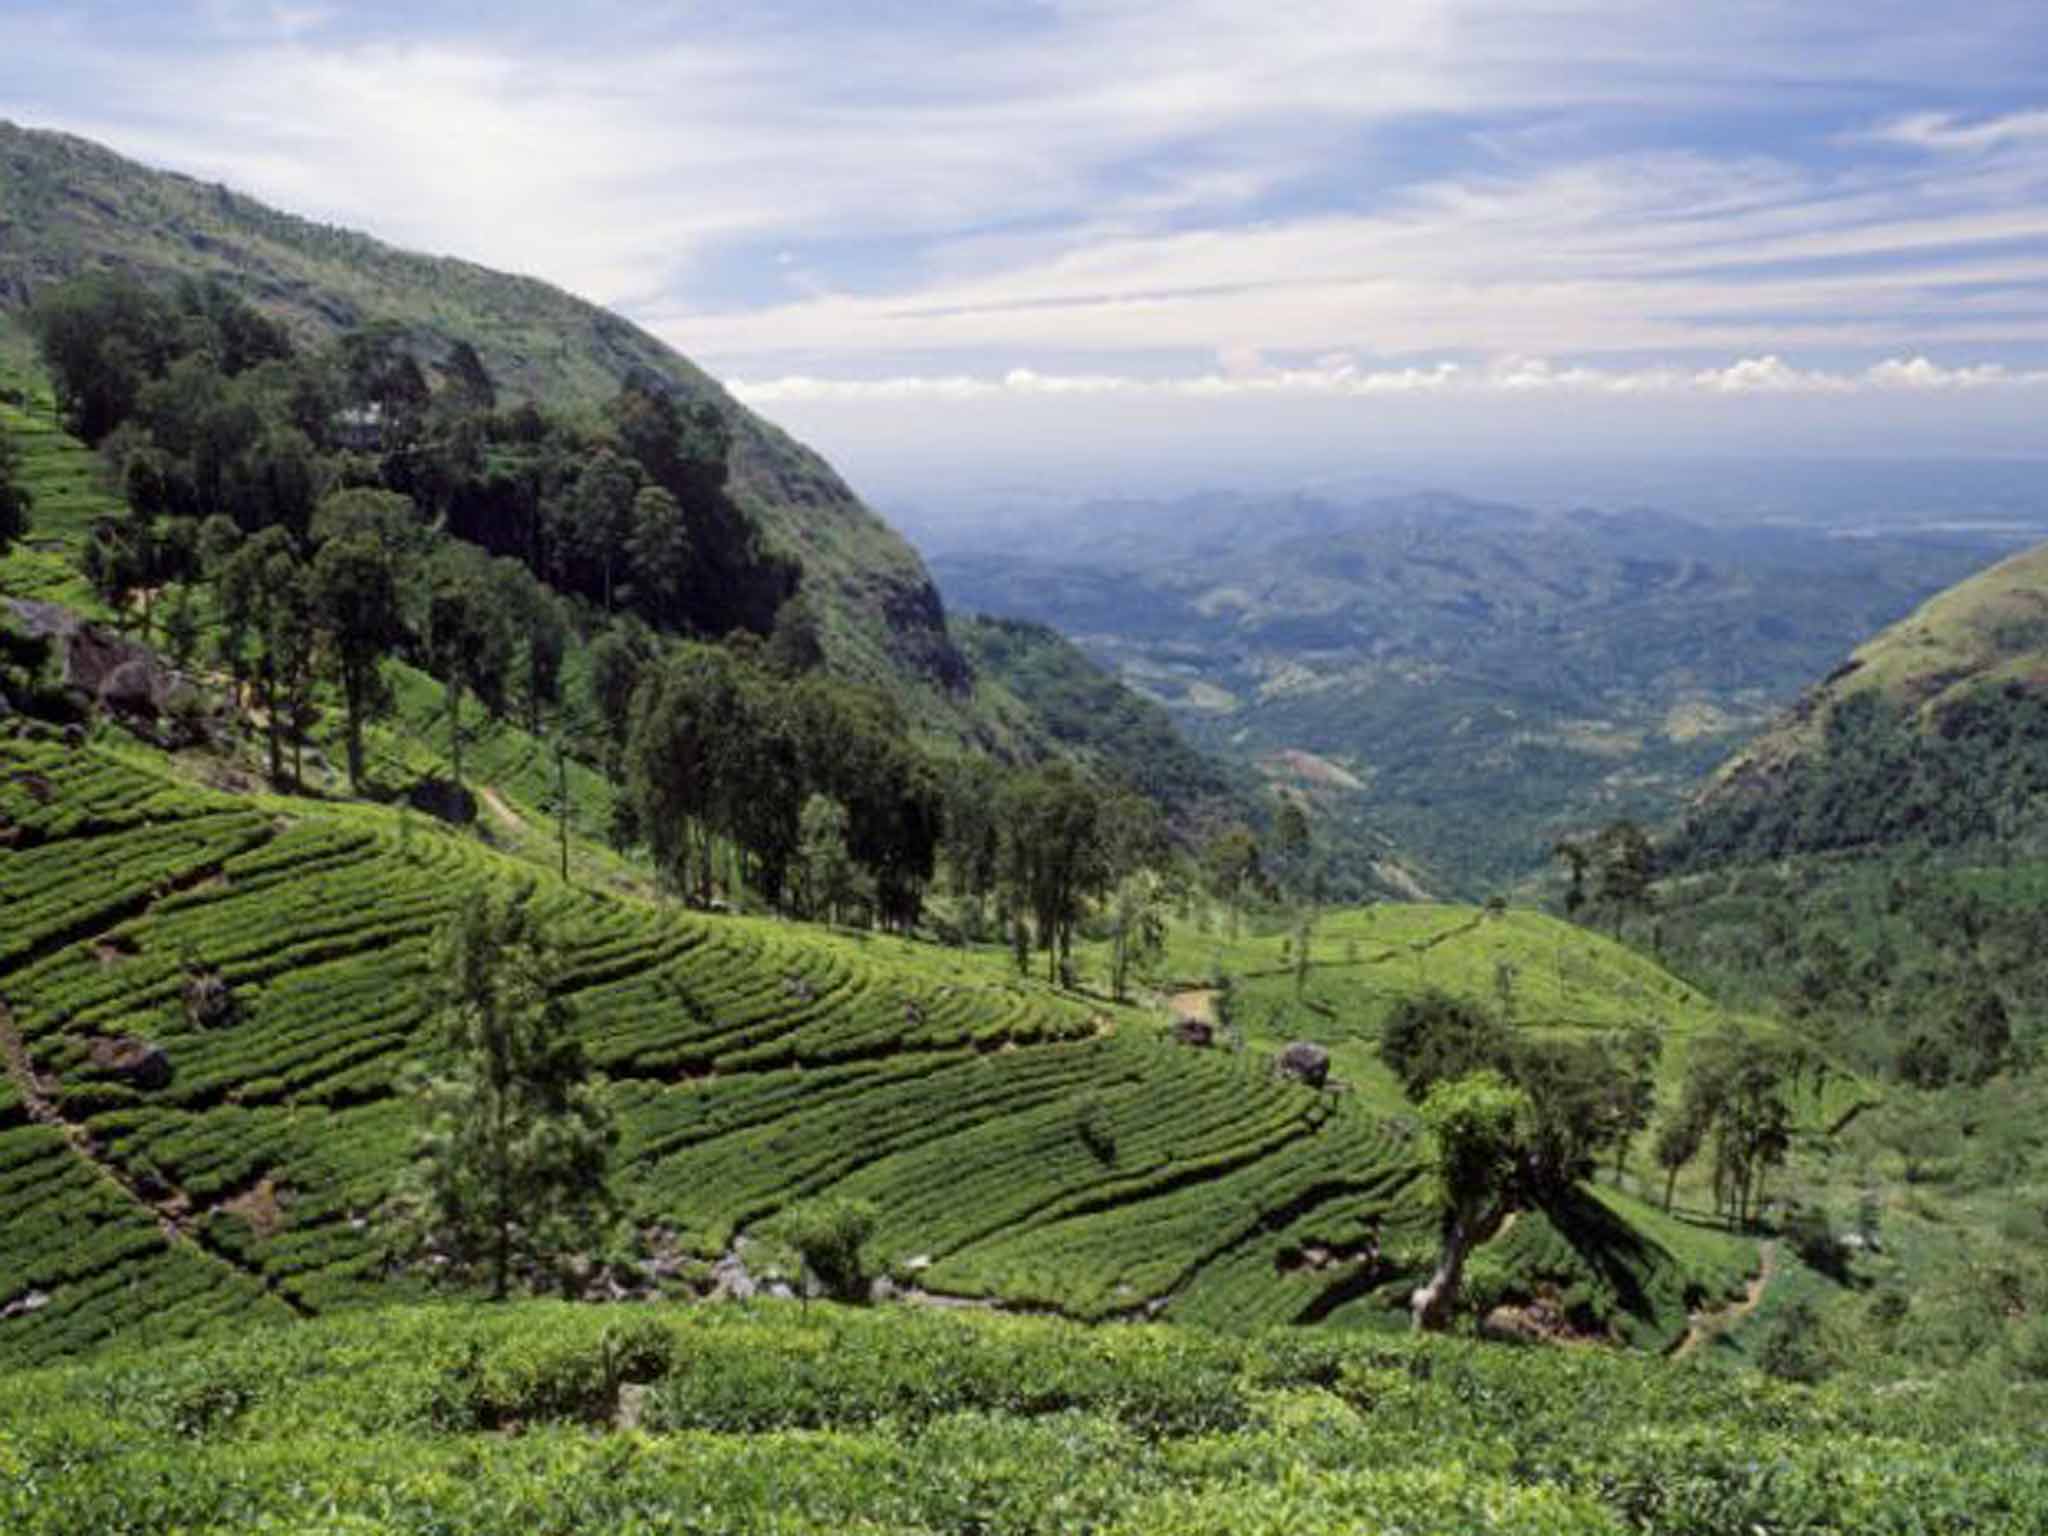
(1987, 632)
(1469, 680)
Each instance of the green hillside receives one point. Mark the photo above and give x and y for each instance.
(1984, 635)
(754, 1063)
(68, 206)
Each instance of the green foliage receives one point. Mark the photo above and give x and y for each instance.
(764, 1419)
(830, 1235)
(516, 1143)
(16, 500)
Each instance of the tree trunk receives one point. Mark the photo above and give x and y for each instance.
(270, 731)
(352, 689)
(1431, 1305)
(455, 728)
(1670, 1187)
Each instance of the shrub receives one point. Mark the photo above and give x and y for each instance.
(830, 1235)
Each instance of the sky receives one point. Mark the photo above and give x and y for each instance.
(1123, 243)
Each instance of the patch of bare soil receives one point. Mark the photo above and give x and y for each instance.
(502, 813)
(261, 1205)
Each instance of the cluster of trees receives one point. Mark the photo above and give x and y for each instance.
(1586, 1097)
(205, 408)
(1737, 1102)
(326, 511)
(1515, 1120)
(1899, 965)
(1977, 774)
(15, 501)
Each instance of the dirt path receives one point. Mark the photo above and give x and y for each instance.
(1706, 1324)
(504, 815)
(171, 1207)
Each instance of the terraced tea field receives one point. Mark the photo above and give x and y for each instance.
(1023, 1146)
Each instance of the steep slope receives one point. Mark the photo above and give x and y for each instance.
(68, 206)
(1985, 632)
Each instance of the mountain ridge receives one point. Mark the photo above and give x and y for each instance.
(69, 206)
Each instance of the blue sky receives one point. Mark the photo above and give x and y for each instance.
(983, 239)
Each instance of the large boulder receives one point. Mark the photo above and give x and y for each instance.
(140, 1064)
(1189, 1030)
(1306, 1063)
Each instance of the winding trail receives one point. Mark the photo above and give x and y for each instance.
(171, 1209)
(1706, 1324)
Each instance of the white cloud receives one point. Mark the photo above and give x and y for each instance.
(1506, 376)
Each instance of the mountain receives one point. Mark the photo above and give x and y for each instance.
(1934, 732)
(68, 206)
(1986, 632)
(1468, 679)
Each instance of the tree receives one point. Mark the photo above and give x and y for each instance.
(659, 543)
(830, 879)
(355, 601)
(513, 1156)
(618, 657)
(468, 635)
(1625, 863)
(1232, 862)
(15, 501)
(1432, 1037)
(1055, 854)
(267, 628)
(1679, 1140)
(829, 1234)
(601, 508)
(1476, 1125)
(1138, 931)
(794, 644)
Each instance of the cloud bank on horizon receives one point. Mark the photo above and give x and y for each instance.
(1136, 222)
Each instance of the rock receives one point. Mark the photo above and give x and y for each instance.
(730, 1279)
(1306, 1062)
(208, 999)
(138, 1063)
(444, 800)
(133, 688)
(1188, 1030)
(24, 1305)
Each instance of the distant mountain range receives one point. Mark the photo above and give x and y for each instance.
(1470, 679)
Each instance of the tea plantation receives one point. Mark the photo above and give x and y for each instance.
(753, 1063)
(546, 1418)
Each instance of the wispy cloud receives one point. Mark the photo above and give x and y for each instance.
(1067, 199)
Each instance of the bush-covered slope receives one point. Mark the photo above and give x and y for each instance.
(540, 1417)
(1944, 700)
(1026, 1146)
